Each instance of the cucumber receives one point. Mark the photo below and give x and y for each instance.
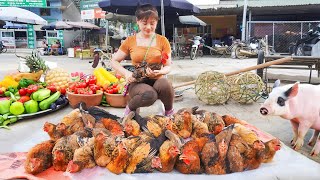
(45, 104)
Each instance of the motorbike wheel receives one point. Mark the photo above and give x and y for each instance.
(4, 49)
(212, 52)
(200, 53)
(193, 53)
(299, 50)
(238, 54)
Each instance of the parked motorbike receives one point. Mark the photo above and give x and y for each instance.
(197, 47)
(183, 50)
(251, 48)
(303, 47)
(3, 48)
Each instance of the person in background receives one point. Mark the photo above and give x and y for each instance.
(156, 86)
(54, 47)
(44, 45)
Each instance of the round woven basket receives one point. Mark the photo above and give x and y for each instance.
(246, 88)
(212, 88)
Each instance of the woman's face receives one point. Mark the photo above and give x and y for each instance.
(147, 26)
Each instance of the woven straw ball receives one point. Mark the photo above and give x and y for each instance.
(212, 88)
(246, 87)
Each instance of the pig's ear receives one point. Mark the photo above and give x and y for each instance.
(277, 83)
(293, 91)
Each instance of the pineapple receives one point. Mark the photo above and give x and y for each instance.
(36, 63)
(57, 76)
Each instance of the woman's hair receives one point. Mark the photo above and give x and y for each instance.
(147, 11)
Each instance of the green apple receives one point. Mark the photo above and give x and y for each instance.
(31, 106)
(16, 108)
(5, 106)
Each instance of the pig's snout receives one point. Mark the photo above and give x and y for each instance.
(264, 111)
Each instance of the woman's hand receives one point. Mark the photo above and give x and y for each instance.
(129, 78)
(153, 73)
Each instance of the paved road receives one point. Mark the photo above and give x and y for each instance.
(26, 133)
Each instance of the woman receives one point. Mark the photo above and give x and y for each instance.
(155, 86)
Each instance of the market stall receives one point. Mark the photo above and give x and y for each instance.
(216, 131)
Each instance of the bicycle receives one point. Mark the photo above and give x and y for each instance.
(105, 59)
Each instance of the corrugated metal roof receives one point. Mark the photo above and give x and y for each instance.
(259, 3)
(266, 3)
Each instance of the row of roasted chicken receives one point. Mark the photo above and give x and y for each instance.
(192, 141)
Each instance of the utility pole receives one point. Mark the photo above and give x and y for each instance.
(244, 20)
(162, 19)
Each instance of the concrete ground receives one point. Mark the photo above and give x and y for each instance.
(25, 133)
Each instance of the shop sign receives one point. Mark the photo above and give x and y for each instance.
(24, 3)
(98, 13)
(87, 14)
(91, 4)
(30, 36)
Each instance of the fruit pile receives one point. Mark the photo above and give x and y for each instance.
(27, 97)
(82, 84)
(58, 77)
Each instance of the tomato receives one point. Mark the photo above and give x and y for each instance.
(91, 80)
(81, 85)
(115, 90)
(52, 88)
(24, 99)
(32, 88)
(22, 91)
(63, 90)
(89, 92)
(1, 92)
(72, 87)
(94, 87)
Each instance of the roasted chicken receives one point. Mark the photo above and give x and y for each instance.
(120, 157)
(39, 157)
(228, 119)
(169, 152)
(140, 70)
(103, 147)
(189, 160)
(213, 154)
(69, 119)
(82, 158)
(131, 126)
(113, 126)
(52, 132)
(183, 122)
(271, 147)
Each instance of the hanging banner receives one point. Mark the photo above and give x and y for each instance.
(30, 36)
(24, 3)
(91, 4)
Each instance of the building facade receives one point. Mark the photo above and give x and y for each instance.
(31, 36)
